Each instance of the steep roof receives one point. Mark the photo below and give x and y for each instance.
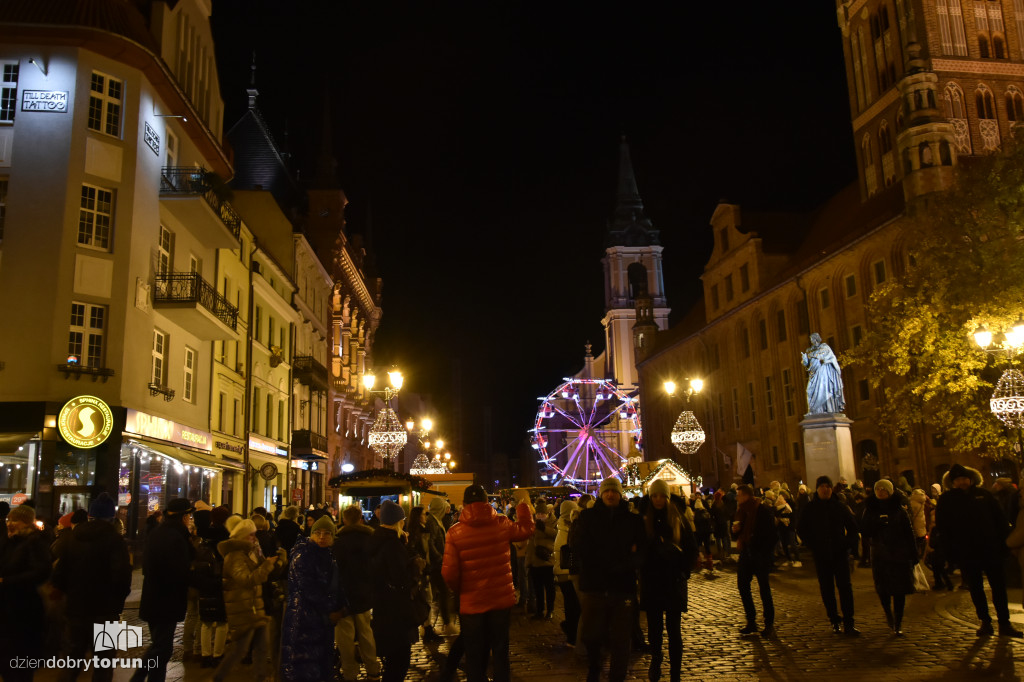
(258, 161)
(120, 17)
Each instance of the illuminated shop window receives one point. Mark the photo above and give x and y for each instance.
(105, 98)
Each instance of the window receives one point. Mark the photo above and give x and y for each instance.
(851, 286)
(255, 410)
(745, 278)
(1014, 104)
(234, 418)
(95, 217)
(745, 338)
(984, 101)
(270, 327)
(780, 322)
(3, 205)
(753, 403)
(714, 297)
(736, 409)
(775, 454)
(159, 352)
(280, 420)
(721, 409)
(85, 334)
(723, 237)
(728, 287)
(988, 19)
(164, 257)
(193, 264)
(803, 321)
(878, 268)
(762, 328)
(105, 104)
(863, 390)
(951, 27)
(796, 451)
(826, 299)
(270, 416)
(221, 400)
(769, 398)
(856, 335)
(190, 374)
(9, 93)
(787, 392)
(257, 323)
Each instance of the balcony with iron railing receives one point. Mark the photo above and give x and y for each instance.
(306, 442)
(192, 194)
(190, 301)
(309, 372)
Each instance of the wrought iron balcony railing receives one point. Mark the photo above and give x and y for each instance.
(190, 287)
(190, 181)
(309, 371)
(304, 439)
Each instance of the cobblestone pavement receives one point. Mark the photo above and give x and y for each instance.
(938, 643)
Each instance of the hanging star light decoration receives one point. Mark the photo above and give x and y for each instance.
(687, 435)
(387, 435)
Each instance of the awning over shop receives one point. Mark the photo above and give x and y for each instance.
(188, 457)
(10, 442)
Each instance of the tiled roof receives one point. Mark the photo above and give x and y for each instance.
(120, 17)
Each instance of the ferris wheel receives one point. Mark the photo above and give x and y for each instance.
(584, 431)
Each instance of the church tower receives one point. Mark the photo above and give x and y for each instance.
(631, 239)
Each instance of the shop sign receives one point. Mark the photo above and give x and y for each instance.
(85, 421)
(152, 139)
(55, 101)
(19, 498)
(164, 429)
(124, 499)
(267, 446)
(229, 446)
(305, 465)
(268, 471)
(296, 494)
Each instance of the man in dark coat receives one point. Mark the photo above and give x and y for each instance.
(827, 526)
(609, 541)
(165, 578)
(24, 566)
(95, 572)
(394, 622)
(352, 554)
(754, 529)
(973, 530)
(288, 528)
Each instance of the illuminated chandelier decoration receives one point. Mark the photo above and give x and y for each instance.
(687, 435)
(421, 465)
(1007, 401)
(387, 435)
(437, 466)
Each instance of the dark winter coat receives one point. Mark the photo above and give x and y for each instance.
(760, 541)
(971, 525)
(287, 532)
(610, 543)
(828, 528)
(314, 593)
(216, 535)
(352, 553)
(207, 578)
(95, 572)
(437, 531)
(243, 577)
(666, 565)
(166, 564)
(893, 548)
(393, 577)
(25, 564)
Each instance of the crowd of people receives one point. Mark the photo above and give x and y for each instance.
(311, 595)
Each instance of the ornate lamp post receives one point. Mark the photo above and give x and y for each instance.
(687, 434)
(387, 435)
(1007, 401)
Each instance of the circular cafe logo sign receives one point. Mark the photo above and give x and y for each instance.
(85, 421)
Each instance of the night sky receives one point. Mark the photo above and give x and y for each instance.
(478, 143)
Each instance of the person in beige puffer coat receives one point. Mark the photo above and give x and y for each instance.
(919, 521)
(245, 571)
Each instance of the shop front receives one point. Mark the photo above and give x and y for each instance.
(269, 474)
(230, 453)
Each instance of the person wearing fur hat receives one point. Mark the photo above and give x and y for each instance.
(540, 561)
(973, 531)
(95, 572)
(893, 551)
(610, 543)
(827, 526)
(245, 571)
(478, 567)
(314, 605)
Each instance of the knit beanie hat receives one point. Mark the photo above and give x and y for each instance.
(883, 484)
(823, 480)
(219, 515)
(324, 523)
(102, 507)
(243, 529)
(658, 487)
(611, 483)
(391, 513)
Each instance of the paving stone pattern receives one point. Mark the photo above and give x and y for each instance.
(938, 643)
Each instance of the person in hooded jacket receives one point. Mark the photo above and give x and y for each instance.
(394, 576)
(893, 551)
(96, 575)
(25, 564)
(670, 556)
(314, 606)
(477, 566)
(973, 534)
(166, 574)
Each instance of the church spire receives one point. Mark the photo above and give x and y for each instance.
(628, 225)
(251, 90)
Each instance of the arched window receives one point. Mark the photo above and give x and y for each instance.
(884, 137)
(900, 123)
(888, 159)
(865, 150)
(870, 173)
(983, 46)
(998, 46)
(1014, 104)
(985, 102)
(953, 98)
(926, 155)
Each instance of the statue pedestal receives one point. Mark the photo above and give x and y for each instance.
(828, 447)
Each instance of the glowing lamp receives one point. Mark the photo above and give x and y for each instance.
(696, 385)
(396, 379)
(670, 387)
(427, 424)
(368, 381)
(983, 336)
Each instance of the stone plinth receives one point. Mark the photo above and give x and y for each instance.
(828, 447)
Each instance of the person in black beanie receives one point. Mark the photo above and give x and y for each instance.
(829, 529)
(973, 531)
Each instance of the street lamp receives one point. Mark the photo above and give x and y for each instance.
(1007, 401)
